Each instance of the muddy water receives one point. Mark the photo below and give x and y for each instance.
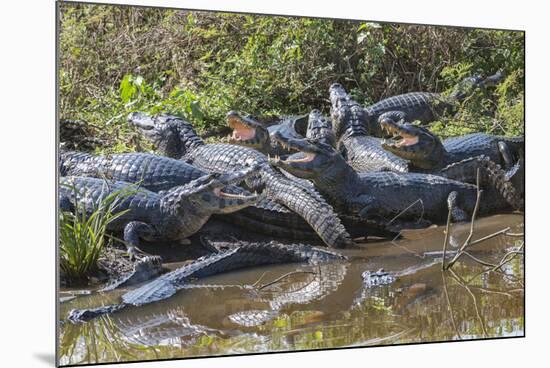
(322, 306)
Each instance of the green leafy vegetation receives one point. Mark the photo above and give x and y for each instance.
(82, 236)
(114, 60)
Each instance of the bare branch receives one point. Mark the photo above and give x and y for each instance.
(447, 230)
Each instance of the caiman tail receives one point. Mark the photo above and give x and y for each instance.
(491, 176)
(176, 137)
(308, 204)
(245, 255)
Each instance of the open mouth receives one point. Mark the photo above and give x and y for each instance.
(241, 132)
(399, 138)
(307, 157)
(221, 194)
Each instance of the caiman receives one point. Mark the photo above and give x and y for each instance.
(245, 255)
(157, 173)
(386, 194)
(425, 151)
(174, 214)
(363, 151)
(425, 106)
(249, 132)
(459, 157)
(176, 138)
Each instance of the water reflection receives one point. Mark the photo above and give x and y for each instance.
(309, 307)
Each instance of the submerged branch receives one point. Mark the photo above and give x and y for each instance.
(472, 224)
(280, 278)
(490, 236)
(447, 231)
(469, 243)
(419, 200)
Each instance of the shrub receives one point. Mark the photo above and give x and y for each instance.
(200, 65)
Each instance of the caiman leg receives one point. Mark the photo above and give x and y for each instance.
(506, 155)
(135, 230)
(457, 214)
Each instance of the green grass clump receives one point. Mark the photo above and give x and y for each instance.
(82, 236)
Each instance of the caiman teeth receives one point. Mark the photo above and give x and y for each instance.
(308, 157)
(223, 194)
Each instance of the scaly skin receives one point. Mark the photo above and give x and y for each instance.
(157, 173)
(245, 255)
(459, 158)
(386, 194)
(296, 196)
(424, 106)
(491, 177)
(354, 140)
(426, 152)
(141, 270)
(175, 214)
(152, 172)
(319, 128)
(155, 328)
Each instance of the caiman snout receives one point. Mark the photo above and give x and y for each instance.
(402, 135)
(140, 120)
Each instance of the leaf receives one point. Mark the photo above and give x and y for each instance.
(127, 88)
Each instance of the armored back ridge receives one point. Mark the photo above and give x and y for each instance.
(171, 215)
(172, 136)
(426, 106)
(152, 172)
(244, 255)
(386, 194)
(319, 128)
(158, 173)
(354, 135)
(297, 196)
